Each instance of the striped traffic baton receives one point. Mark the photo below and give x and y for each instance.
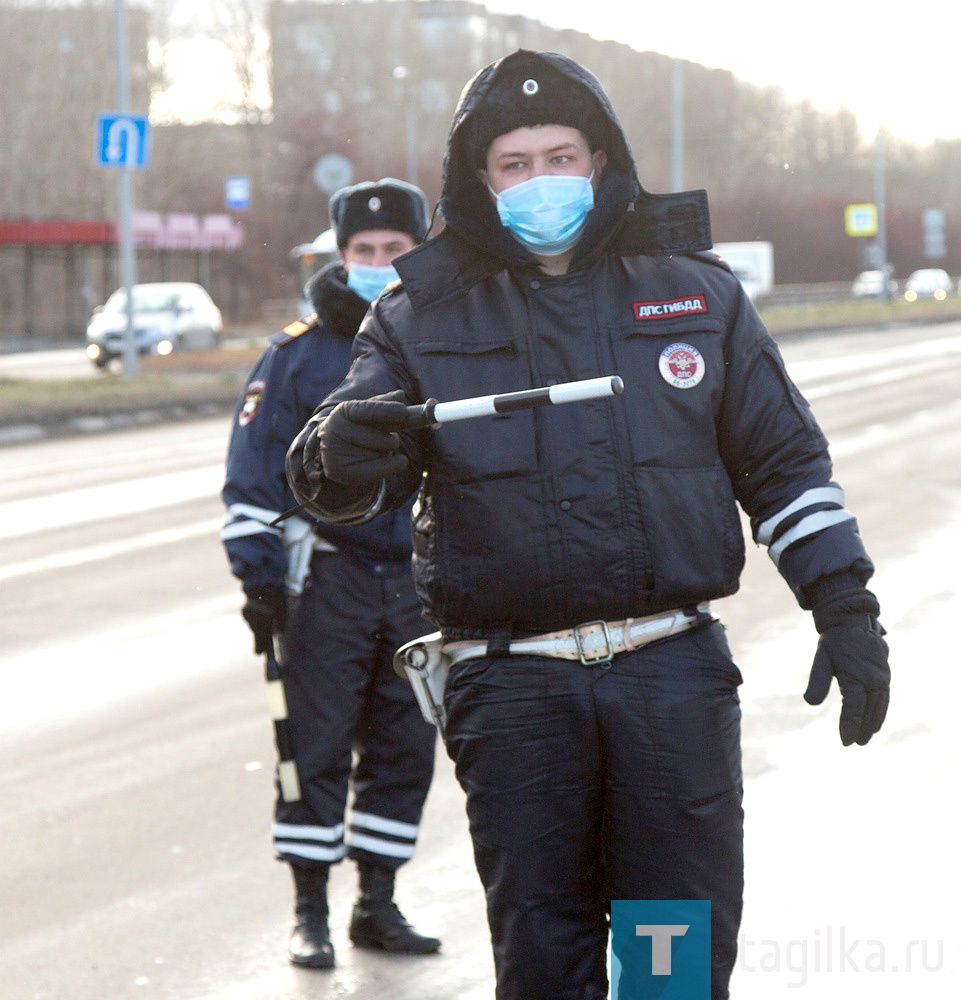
(277, 702)
(433, 414)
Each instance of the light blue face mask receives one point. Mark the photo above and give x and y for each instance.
(547, 214)
(368, 281)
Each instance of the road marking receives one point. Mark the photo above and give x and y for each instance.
(109, 550)
(101, 503)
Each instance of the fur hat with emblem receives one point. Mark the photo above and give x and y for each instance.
(527, 91)
(383, 204)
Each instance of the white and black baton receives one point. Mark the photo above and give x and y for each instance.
(287, 776)
(434, 413)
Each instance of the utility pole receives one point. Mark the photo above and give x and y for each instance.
(677, 118)
(879, 196)
(403, 76)
(128, 265)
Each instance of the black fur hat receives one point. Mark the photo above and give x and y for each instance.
(526, 91)
(383, 204)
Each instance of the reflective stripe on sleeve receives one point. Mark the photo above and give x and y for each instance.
(822, 494)
(244, 519)
(810, 525)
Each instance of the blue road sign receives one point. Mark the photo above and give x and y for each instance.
(237, 193)
(123, 141)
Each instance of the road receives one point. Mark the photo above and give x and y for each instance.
(136, 754)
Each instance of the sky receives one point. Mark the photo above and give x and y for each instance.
(896, 70)
(894, 66)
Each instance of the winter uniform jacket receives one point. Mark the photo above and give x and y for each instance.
(541, 519)
(303, 363)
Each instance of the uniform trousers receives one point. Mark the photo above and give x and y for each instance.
(591, 783)
(353, 721)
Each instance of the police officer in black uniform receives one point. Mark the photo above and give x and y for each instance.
(355, 602)
(570, 553)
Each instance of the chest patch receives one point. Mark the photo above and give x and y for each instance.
(681, 365)
(253, 397)
(687, 306)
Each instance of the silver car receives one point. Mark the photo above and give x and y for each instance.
(168, 316)
(928, 283)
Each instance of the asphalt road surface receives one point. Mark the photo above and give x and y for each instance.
(136, 753)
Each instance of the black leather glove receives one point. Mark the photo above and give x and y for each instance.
(265, 611)
(851, 648)
(357, 444)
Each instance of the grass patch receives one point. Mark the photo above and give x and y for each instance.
(24, 402)
(837, 315)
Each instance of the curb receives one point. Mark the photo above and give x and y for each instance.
(29, 433)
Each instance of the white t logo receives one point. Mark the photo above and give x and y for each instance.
(661, 935)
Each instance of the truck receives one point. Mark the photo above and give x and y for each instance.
(753, 263)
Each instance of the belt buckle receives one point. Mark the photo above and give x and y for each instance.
(579, 642)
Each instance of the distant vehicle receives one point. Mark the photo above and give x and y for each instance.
(306, 259)
(168, 316)
(870, 285)
(752, 262)
(928, 283)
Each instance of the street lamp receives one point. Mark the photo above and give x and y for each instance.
(402, 75)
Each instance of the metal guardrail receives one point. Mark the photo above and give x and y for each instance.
(806, 295)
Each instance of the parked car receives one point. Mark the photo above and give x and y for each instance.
(168, 316)
(870, 285)
(928, 283)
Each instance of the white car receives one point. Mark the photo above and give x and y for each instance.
(168, 316)
(928, 283)
(870, 285)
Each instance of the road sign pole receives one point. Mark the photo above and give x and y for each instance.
(128, 263)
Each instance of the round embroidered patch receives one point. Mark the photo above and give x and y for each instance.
(530, 87)
(253, 397)
(374, 204)
(681, 365)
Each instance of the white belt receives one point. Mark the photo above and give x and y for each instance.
(590, 642)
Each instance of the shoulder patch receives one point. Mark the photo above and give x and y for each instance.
(713, 257)
(296, 329)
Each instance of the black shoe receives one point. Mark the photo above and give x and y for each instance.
(377, 923)
(310, 939)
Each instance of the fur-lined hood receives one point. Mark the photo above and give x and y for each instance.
(625, 218)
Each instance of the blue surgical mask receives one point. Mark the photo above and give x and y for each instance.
(368, 281)
(547, 214)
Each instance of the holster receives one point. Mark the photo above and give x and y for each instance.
(425, 664)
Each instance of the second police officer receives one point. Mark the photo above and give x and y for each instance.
(356, 602)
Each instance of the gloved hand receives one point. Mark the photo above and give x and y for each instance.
(852, 650)
(265, 611)
(357, 444)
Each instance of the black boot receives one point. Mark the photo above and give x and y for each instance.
(377, 923)
(310, 939)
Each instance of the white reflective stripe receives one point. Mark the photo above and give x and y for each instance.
(235, 510)
(810, 525)
(383, 825)
(328, 833)
(308, 851)
(240, 529)
(822, 494)
(377, 846)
